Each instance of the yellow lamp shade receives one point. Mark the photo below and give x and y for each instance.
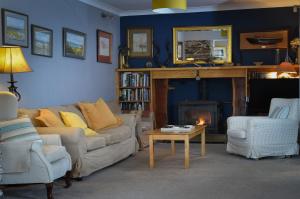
(12, 60)
(168, 6)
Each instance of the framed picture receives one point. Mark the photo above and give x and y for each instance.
(41, 41)
(104, 47)
(180, 50)
(14, 28)
(74, 44)
(139, 41)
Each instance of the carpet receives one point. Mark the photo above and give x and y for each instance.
(219, 175)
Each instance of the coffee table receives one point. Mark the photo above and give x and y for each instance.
(176, 136)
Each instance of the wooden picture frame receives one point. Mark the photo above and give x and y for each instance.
(104, 47)
(140, 42)
(14, 28)
(74, 44)
(41, 41)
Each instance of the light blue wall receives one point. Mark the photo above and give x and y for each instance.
(61, 80)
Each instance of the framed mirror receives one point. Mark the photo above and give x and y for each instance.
(202, 45)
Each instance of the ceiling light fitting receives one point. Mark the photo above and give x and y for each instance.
(168, 6)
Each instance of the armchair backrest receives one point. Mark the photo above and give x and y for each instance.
(294, 105)
(8, 106)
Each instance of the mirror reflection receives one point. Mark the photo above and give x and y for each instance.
(202, 45)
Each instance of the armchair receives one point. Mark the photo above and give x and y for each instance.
(28, 158)
(257, 137)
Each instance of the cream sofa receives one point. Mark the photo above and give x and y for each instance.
(90, 154)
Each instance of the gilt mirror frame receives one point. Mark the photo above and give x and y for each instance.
(227, 28)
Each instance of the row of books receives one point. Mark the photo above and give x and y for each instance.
(125, 106)
(141, 94)
(130, 79)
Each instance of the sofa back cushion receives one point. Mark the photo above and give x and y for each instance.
(31, 114)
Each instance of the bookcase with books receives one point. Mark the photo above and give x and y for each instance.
(134, 90)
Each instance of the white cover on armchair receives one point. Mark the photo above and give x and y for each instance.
(257, 137)
(27, 157)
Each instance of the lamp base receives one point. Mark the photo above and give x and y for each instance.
(12, 88)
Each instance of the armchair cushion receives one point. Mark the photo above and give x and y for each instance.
(280, 112)
(20, 129)
(54, 153)
(237, 133)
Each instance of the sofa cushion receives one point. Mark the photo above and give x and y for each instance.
(32, 114)
(115, 135)
(237, 133)
(67, 108)
(95, 142)
(73, 120)
(49, 118)
(54, 152)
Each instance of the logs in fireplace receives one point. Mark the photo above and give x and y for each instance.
(199, 112)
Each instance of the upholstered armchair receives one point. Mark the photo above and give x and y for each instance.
(28, 158)
(274, 135)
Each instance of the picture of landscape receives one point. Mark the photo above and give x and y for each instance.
(41, 41)
(15, 28)
(74, 44)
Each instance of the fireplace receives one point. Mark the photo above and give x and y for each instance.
(199, 112)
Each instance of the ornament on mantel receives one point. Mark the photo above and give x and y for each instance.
(295, 45)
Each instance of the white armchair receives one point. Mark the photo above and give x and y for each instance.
(28, 158)
(257, 137)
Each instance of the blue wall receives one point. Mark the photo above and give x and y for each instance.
(61, 80)
(241, 20)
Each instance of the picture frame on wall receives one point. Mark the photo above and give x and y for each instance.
(104, 47)
(74, 44)
(139, 41)
(41, 41)
(14, 28)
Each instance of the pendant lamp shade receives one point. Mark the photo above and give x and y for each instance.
(168, 6)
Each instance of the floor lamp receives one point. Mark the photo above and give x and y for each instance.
(12, 61)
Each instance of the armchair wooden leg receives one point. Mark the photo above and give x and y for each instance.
(68, 179)
(49, 188)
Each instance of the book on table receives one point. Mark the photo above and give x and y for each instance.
(177, 128)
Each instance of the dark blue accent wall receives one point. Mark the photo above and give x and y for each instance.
(241, 20)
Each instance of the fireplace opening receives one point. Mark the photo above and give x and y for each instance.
(200, 113)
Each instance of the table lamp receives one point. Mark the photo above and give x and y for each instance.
(12, 61)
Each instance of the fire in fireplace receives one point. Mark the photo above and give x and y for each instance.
(200, 113)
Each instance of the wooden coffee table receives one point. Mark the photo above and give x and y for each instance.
(176, 136)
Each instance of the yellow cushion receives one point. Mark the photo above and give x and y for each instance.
(73, 120)
(49, 119)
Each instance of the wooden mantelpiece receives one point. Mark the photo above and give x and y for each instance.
(239, 75)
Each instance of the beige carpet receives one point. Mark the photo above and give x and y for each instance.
(217, 176)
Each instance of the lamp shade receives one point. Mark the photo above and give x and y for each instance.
(168, 6)
(12, 60)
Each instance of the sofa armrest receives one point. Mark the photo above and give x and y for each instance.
(51, 139)
(272, 131)
(129, 120)
(72, 139)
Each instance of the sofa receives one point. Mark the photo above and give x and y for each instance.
(90, 154)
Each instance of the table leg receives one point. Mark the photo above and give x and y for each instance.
(187, 152)
(173, 147)
(203, 143)
(151, 152)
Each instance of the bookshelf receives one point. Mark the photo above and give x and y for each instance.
(134, 90)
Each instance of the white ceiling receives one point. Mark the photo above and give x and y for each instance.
(142, 7)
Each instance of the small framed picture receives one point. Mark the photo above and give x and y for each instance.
(14, 28)
(74, 43)
(139, 41)
(104, 47)
(41, 41)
